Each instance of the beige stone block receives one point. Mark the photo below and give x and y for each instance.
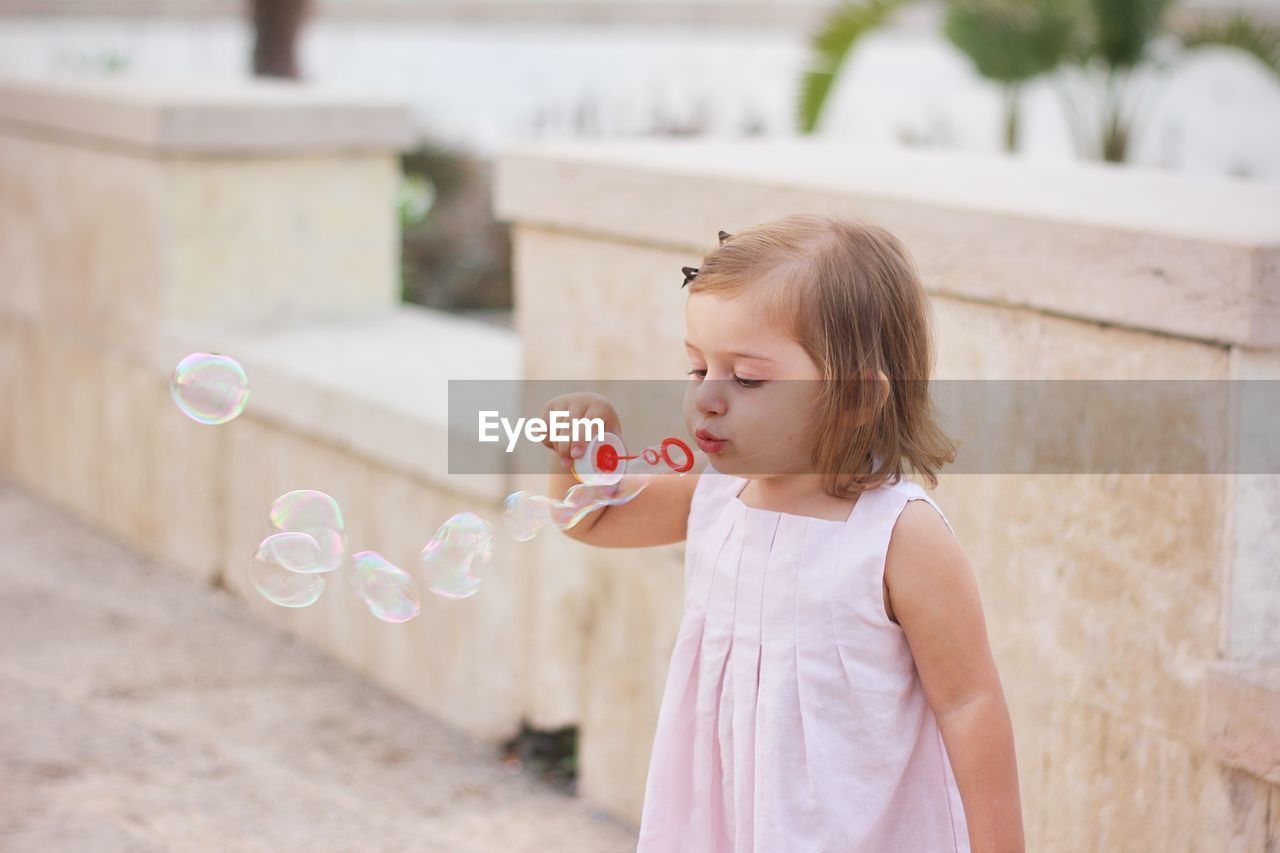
(1096, 588)
(110, 246)
(1132, 247)
(460, 660)
(57, 421)
(559, 611)
(269, 243)
(636, 606)
(86, 234)
(377, 387)
(980, 341)
(1252, 550)
(1097, 782)
(12, 362)
(171, 115)
(592, 309)
(98, 434)
(144, 471)
(1243, 716)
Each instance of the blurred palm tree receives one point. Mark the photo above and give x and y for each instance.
(276, 24)
(1013, 41)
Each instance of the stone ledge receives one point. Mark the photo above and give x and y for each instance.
(379, 388)
(1193, 257)
(199, 117)
(1242, 714)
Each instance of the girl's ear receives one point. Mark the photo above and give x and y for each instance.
(883, 386)
(880, 397)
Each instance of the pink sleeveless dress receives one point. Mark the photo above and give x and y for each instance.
(793, 719)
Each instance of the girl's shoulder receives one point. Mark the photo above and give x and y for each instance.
(898, 495)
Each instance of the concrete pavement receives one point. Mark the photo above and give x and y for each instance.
(143, 711)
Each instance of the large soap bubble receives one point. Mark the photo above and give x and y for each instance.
(386, 589)
(209, 389)
(454, 561)
(284, 569)
(316, 514)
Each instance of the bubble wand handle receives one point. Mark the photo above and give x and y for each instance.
(603, 463)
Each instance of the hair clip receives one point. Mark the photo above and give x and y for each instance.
(690, 273)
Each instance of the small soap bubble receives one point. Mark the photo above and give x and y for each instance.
(455, 559)
(316, 514)
(209, 389)
(387, 589)
(304, 509)
(284, 569)
(583, 499)
(525, 513)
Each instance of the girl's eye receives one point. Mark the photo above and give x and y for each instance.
(745, 383)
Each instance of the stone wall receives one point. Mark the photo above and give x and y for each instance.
(139, 224)
(1133, 617)
(1118, 606)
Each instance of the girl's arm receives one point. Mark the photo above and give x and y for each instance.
(933, 593)
(659, 515)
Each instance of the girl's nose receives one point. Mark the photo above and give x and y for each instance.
(710, 398)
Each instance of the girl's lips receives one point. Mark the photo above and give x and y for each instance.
(709, 446)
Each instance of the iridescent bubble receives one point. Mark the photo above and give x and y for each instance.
(316, 514)
(209, 389)
(304, 509)
(284, 569)
(456, 558)
(387, 589)
(525, 513)
(332, 547)
(582, 500)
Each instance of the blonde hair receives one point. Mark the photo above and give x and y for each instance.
(847, 292)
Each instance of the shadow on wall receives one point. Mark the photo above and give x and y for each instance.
(454, 255)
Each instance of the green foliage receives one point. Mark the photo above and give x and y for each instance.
(1011, 41)
(830, 46)
(1122, 29)
(551, 755)
(1241, 32)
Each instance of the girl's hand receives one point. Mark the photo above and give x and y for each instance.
(583, 404)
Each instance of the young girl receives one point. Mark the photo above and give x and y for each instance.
(831, 686)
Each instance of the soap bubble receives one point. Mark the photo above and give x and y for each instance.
(302, 509)
(209, 389)
(583, 499)
(316, 514)
(526, 513)
(455, 559)
(284, 569)
(387, 589)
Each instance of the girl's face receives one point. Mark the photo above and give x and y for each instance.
(751, 386)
